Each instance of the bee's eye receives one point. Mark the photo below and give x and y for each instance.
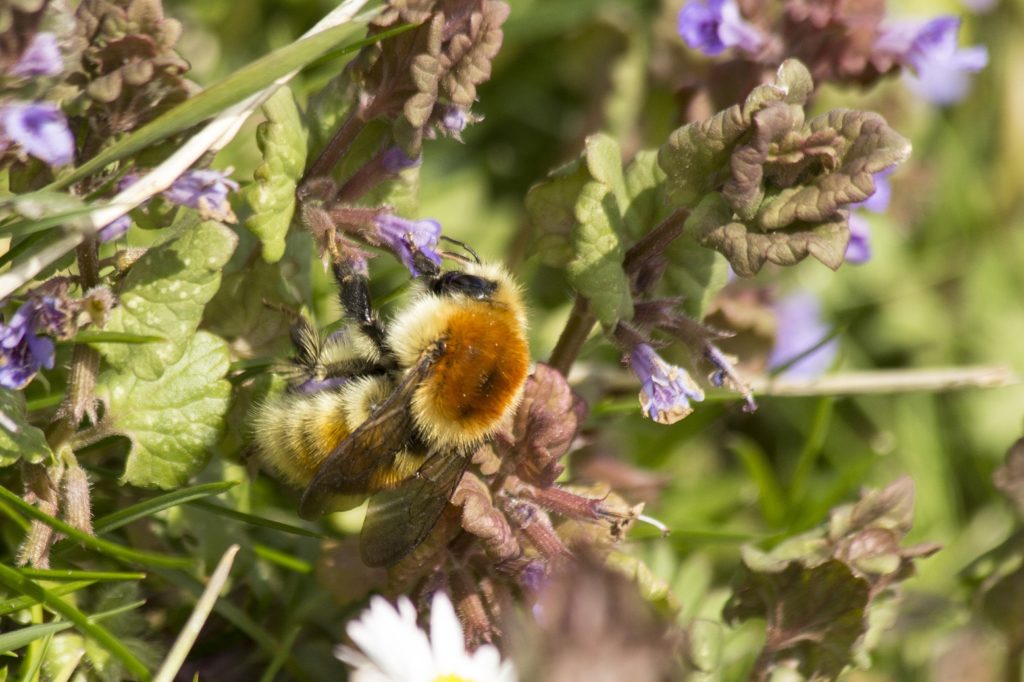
(451, 283)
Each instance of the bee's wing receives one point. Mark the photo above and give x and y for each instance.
(400, 518)
(373, 445)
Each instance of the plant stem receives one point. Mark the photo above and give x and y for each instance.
(581, 320)
(575, 333)
(335, 149)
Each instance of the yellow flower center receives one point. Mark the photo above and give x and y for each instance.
(451, 678)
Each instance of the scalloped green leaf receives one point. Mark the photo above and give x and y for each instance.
(23, 442)
(172, 421)
(814, 615)
(747, 248)
(283, 141)
(644, 180)
(551, 205)
(164, 295)
(695, 273)
(596, 268)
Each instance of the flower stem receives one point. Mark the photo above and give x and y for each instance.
(336, 148)
(581, 320)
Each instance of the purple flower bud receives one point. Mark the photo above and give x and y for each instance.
(22, 353)
(454, 120)
(41, 129)
(666, 390)
(40, 58)
(941, 70)
(711, 26)
(114, 230)
(799, 328)
(206, 190)
(394, 161)
(858, 251)
(407, 237)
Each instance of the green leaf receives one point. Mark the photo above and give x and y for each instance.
(814, 616)
(164, 294)
(23, 442)
(551, 205)
(644, 180)
(767, 186)
(595, 270)
(172, 421)
(9, 641)
(282, 140)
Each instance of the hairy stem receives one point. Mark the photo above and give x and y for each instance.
(573, 335)
(338, 146)
(581, 320)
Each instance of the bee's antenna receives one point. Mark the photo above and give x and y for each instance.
(464, 246)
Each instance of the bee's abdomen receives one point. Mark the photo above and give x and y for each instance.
(478, 377)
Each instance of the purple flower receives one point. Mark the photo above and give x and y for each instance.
(206, 190)
(41, 129)
(394, 161)
(799, 328)
(112, 231)
(40, 58)
(22, 353)
(406, 238)
(941, 70)
(858, 251)
(454, 120)
(665, 390)
(711, 26)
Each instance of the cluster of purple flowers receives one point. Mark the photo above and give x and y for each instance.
(407, 238)
(23, 351)
(40, 129)
(939, 69)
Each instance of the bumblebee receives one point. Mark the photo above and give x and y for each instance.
(394, 412)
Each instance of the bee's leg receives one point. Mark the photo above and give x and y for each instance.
(354, 291)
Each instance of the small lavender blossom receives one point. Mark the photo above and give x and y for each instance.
(454, 120)
(394, 161)
(22, 353)
(41, 129)
(206, 190)
(858, 250)
(666, 390)
(40, 58)
(114, 230)
(941, 70)
(712, 26)
(799, 327)
(406, 238)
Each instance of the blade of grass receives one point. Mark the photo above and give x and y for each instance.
(14, 516)
(18, 603)
(190, 632)
(281, 559)
(286, 646)
(111, 549)
(44, 402)
(811, 450)
(22, 585)
(253, 520)
(9, 641)
(122, 517)
(773, 500)
(70, 575)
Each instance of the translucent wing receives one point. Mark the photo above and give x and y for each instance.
(358, 461)
(399, 519)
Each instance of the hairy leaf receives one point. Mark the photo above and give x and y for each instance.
(769, 186)
(173, 421)
(595, 270)
(814, 615)
(164, 295)
(551, 205)
(282, 141)
(19, 440)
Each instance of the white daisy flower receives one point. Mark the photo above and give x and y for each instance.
(393, 649)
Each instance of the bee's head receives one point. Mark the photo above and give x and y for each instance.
(458, 282)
